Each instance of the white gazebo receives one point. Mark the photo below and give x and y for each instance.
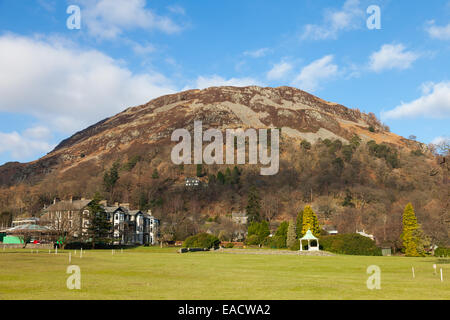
(309, 236)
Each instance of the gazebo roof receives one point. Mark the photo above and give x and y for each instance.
(309, 236)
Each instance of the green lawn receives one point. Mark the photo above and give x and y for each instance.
(154, 273)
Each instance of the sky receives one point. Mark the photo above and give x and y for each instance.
(58, 77)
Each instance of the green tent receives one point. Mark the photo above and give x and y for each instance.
(12, 240)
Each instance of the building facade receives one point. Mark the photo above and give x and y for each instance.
(128, 227)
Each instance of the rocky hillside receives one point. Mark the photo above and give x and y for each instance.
(300, 116)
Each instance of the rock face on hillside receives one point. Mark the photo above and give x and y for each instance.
(299, 115)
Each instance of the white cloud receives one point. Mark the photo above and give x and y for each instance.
(48, 5)
(437, 32)
(23, 146)
(392, 56)
(441, 139)
(313, 74)
(37, 133)
(434, 103)
(109, 18)
(259, 53)
(143, 49)
(68, 88)
(348, 18)
(216, 81)
(177, 9)
(279, 71)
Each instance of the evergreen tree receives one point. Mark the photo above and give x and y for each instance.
(235, 175)
(348, 200)
(155, 174)
(253, 205)
(282, 232)
(411, 233)
(228, 179)
(291, 235)
(110, 177)
(310, 222)
(100, 227)
(199, 170)
(220, 177)
(257, 232)
(299, 224)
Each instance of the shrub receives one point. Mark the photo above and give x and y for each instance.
(442, 252)
(352, 244)
(260, 230)
(383, 151)
(276, 242)
(252, 240)
(202, 240)
(305, 145)
(296, 246)
(229, 245)
(417, 153)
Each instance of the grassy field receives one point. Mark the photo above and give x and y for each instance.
(155, 273)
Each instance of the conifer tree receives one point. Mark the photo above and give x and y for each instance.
(282, 232)
(310, 222)
(291, 235)
(228, 176)
(110, 178)
(235, 175)
(220, 177)
(253, 205)
(99, 226)
(199, 170)
(155, 174)
(411, 233)
(299, 224)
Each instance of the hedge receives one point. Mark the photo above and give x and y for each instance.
(442, 252)
(351, 244)
(275, 242)
(202, 240)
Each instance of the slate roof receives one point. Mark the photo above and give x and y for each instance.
(65, 205)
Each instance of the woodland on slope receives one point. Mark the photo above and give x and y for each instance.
(355, 186)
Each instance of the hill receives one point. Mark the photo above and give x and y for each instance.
(356, 173)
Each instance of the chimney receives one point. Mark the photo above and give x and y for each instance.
(116, 204)
(71, 199)
(54, 200)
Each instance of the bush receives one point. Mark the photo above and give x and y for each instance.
(276, 242)
(252, 240)
(202, 240)
(229, 245)
(383, 151)
(442, 252)
(305, 145)
(352, 244)
(296, 246)
(258, 229)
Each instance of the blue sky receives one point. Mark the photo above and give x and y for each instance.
(55, 81)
